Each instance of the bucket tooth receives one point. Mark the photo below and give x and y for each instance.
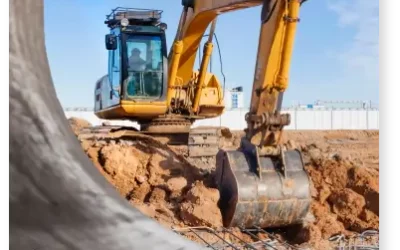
(266, 198)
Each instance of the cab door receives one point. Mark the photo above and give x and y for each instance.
(114, 73)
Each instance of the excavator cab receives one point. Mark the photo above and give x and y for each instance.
(137, 65)
(143, 84)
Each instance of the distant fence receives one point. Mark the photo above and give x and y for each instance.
(301, 119)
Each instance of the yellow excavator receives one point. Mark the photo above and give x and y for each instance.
(263, 183)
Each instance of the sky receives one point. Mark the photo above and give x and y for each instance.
(335, 54)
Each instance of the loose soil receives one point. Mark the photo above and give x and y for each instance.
(163, 184)
(77, 124)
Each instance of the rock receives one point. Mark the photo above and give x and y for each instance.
(199, 194)
(140, 179)
(315, 154)
(176, 184)
(226, 132)
(140, 192)
(157, 195)
(201, 207)
(119, 160)
(201, 215)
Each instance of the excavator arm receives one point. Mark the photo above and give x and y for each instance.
(264, 183)
(278, 26)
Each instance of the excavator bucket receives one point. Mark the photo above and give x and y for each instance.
(262, 191)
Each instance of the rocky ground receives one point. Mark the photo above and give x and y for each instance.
(162, 183)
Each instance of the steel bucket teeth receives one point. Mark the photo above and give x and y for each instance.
(275, 198)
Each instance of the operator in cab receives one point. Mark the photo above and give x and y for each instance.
(136, 63)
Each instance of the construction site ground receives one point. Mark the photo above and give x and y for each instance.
(180, 193)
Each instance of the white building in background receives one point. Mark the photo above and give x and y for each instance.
(321, 104)
(234, 98)
(354, 104)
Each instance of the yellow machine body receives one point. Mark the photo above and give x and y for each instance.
(263, 183)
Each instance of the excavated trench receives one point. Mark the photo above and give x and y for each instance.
(180, 193)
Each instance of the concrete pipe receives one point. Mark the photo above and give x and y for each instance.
(58, 200)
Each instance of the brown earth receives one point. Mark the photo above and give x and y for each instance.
(77, 124)
(163, 184)
(159, 182)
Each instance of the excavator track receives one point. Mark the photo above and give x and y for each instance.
(203, 142)
(200, 142)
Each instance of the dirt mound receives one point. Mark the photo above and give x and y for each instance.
(164, 185)
(345, 196)
(157, 181)
(77, 124)
(200, 207)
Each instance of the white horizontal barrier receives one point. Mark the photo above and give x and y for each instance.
(301, 119)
